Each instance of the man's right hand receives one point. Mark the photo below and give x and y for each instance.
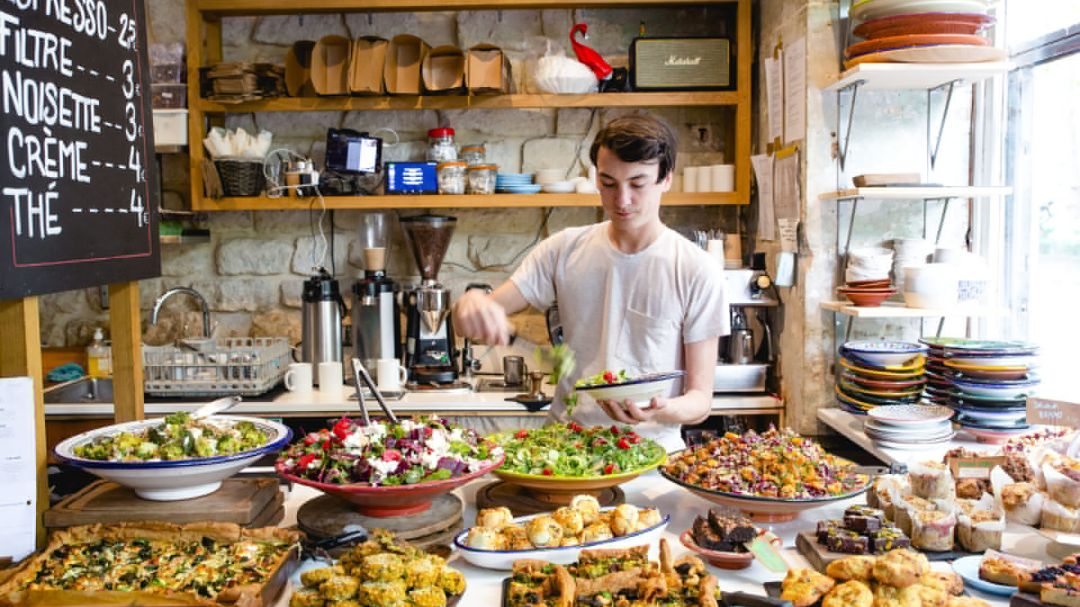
(479, 316)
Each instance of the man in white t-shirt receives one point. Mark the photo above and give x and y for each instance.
(632, 293)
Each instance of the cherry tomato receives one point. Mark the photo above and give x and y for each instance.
(623, 443)
(614, 429)
(610, 469)
(609, 377)
(305, 461)
(548, 472)
(522, 434)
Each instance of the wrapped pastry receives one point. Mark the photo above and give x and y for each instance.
(495, 518)
(933, 530)
(516, 538)
(544, 531)
(596, 532)
(931, 480)
(624, 520)
(1063, 481)
(1060, 517)
(972, 488)
(485, 538)
(979, 525)
(648, 517)
(588, 506)
(570, 519)
(906, 506)
(1022, 502)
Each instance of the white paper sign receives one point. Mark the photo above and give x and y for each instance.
(786, 190)
(763, 173)
(18, 513)
(795, 91)
(774, 93)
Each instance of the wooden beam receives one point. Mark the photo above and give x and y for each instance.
(290, 7)
(20, 332)
(126, 324)
(743, 109)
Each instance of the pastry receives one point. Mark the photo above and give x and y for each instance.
(1064, 591)
(886, 539)
(1006, 569)
(570, 519)
(588, 506)
(926, 596)
(826, 527)
(1059, 517)
(906, 505)
(979, 530)
(931, 480)
(1033, 583)
(949, 581)
(965, 601)
(972, 488)
(847, 542)
(890, 596)
(900, 568)
(863, 518)
(933, 530)
(495, 518)
(1022, 503)
(859, 568)
(852, 593)
(803, 587)
(1063, 481)
(544, 531)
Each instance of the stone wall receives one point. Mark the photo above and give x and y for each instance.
(252, 269)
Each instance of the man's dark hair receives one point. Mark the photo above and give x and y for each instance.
(638, 137)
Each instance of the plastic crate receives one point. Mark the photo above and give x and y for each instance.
(247, 366)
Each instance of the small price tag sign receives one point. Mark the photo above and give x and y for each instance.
(974, 467)
(1053, 412)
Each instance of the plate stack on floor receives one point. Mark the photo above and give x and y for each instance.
(990, 382)
(920, 31)
(880, 373)
(909, 426)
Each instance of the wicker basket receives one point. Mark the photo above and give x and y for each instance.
(241, 176)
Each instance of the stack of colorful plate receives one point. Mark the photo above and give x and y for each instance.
(990, 382)
(938, 385)
(921, 31)
(879, 373)
(909, 426)
(516, 183)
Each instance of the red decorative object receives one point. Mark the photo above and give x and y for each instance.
(588, 56)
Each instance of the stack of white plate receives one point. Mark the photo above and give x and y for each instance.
(909, 426)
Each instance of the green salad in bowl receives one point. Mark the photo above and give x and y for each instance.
(571, 451)
(177, 437)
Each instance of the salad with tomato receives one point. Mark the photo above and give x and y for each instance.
(573, 450)
(604, 378)
(388, 454)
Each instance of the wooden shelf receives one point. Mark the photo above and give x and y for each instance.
(290, 7)
(435, 201)
(917, 192)
(453, 102)
(915, 76)
(899, 310)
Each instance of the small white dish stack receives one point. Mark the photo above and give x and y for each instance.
(909, 427)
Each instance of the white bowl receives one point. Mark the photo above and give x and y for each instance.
(563, 555)
(884, 353)
(559, 187)
(564, 76)
(929, 301)
(932, 285)
(166, 481)
(639, 390)
(547, 176)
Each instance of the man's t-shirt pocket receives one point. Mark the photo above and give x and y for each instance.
(647, 343)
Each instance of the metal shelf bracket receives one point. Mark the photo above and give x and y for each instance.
(933, 142)
(845, 139)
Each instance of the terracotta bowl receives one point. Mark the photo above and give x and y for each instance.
(398, 500)
(869, 284)
(723, 560)
(866, 298)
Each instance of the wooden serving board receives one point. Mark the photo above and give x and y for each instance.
(522, 502)
(328, 516)
(820, 556)
(1023, 599)
(243, 501)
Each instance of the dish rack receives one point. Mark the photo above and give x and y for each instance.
(246, 366)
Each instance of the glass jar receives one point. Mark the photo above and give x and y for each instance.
(482, 178)
(451, 177)
(441, 145)
(473, 154)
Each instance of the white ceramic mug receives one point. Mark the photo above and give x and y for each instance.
(723, 177)
(330, 375)
(390, 375)
(298, 377)
(704, 179)
(690, 179)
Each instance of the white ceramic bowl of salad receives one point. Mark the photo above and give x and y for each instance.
(561, 555)
(620, 386)
(165, 480)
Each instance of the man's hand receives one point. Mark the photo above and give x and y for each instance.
(627, 412)
(478, 316)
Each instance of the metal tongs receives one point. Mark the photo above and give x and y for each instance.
(362, 375)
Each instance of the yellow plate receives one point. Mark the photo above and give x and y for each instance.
(541, 478)
(861, 390)
(898, 373)
(962, 367)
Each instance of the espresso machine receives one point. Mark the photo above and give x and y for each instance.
(745, 358)
(430, 354)
(376, 314)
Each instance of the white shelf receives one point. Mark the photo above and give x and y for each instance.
(917, 192)
(915, 76)
(899, 310)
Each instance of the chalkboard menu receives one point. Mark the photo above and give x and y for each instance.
(79, 197)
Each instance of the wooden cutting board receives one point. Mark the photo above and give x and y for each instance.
(820, 556)
(243, 501)
(1023, 599)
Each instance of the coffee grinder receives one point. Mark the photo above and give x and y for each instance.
(429, 337)
(376, 314)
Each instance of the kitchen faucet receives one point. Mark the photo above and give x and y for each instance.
(198, 296)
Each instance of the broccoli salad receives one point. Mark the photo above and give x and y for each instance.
(388, 454)
(178, 437)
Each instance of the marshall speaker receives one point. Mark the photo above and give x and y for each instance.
(680, 64)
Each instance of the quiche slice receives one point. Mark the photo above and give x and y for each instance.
(803, 587)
